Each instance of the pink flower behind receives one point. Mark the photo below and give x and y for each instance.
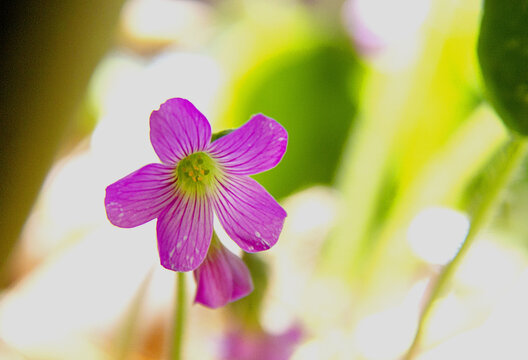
(222, 277)
(245, 344)
(195, 179)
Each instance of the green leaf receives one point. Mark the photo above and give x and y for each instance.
(503, 55)
(310, 92)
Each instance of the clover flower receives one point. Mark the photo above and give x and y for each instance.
(222, 277)
(197, 177)
(257, 344)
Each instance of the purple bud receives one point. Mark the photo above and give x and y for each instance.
(222, 277)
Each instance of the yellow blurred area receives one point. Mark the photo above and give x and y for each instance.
(358, 254)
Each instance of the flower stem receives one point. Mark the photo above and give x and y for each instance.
(179, 318)
(499, 179)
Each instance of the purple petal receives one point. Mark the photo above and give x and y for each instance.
(221, 278)
(178, 129)
(248, 213)
(140, 196)
(184, 233)
(255, 147)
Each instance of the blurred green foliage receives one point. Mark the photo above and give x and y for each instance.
(503, 54)
(423, 135)
(309, 93)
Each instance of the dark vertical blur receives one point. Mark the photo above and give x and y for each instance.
(48, 50)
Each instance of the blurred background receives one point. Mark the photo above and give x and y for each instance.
(390, 136)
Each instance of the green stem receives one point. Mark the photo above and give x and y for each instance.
(500, 178)
(179, 319)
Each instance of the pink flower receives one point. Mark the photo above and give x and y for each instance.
(222, 277)
(246, 344)
(197, 177)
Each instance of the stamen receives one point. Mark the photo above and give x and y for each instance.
(192, 171)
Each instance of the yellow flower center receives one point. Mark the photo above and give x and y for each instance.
(196, 173)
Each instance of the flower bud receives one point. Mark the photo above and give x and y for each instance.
(222, 277)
